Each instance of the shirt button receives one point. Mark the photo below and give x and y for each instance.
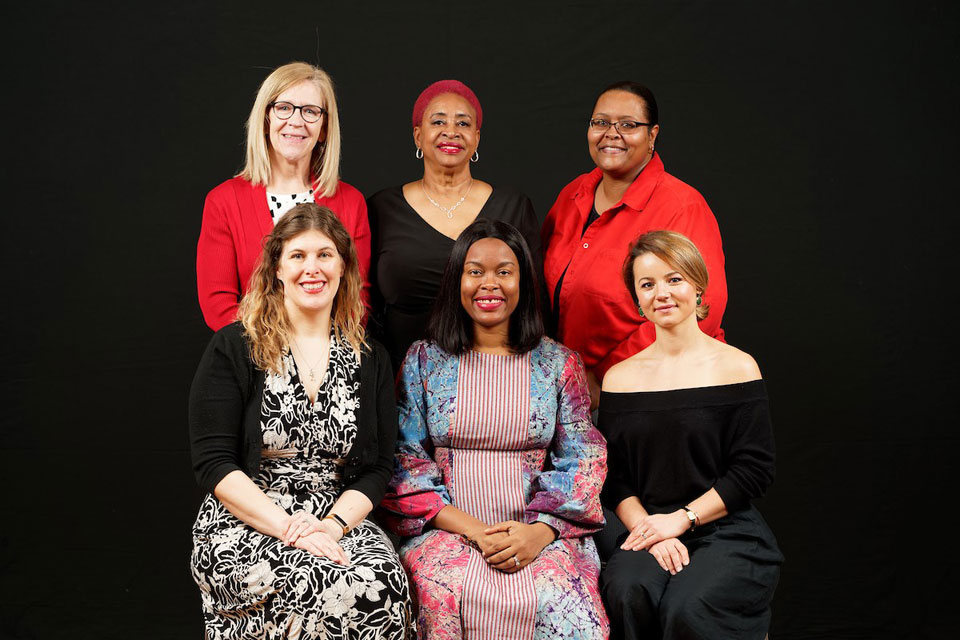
(585, 245)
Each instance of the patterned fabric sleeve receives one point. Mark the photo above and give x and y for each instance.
(567, 496)
(416, 492)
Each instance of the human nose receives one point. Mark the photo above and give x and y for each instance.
(662, 291)
(311, 264)
(450, 129)
(296, 118)
(490, 280)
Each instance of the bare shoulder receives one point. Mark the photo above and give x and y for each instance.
(623, 376)
(734, 365)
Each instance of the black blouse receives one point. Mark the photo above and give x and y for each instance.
(669, 447)
(409, 257)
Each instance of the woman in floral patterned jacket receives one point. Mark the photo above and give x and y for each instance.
(498, 468)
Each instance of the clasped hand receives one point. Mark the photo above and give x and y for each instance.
(319, 537)
(658, 534)
(509, 546)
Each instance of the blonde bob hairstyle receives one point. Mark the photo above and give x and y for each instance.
(325, 158)
(262, 312)
(677, 251)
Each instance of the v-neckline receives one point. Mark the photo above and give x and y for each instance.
(311, 402)
(419, 217)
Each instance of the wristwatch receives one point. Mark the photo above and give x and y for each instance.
(692, 517)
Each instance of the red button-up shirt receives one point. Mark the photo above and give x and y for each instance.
(597, 317)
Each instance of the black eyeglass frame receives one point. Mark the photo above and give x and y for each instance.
(616, 125)
(301, 107)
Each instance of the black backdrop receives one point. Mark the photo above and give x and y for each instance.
(822, 134)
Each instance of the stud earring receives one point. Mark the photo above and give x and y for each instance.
(419, 154)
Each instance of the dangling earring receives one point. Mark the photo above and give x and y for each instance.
(699, 299)
(419, 154)
(475, 156)
(640, 310)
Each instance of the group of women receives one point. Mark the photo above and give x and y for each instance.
(468, 429)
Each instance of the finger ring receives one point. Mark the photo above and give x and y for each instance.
(643, 535)
(516, 562)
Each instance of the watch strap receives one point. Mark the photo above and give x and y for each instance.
(340, 521)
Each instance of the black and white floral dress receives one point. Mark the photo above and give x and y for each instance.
(253, 585)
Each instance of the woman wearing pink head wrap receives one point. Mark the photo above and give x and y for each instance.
(415, 225)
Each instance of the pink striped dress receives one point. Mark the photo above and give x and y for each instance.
(501, 438)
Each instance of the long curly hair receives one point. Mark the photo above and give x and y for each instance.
(262, 312)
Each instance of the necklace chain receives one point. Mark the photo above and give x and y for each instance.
(447, 210)
(310, 368)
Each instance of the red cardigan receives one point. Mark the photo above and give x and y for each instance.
(597, 317)
(236, 218)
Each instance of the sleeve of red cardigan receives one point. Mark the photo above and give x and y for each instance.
(218, 283)
(354, 218)
(696, 221)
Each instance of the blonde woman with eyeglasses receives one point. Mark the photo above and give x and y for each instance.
(292, 157)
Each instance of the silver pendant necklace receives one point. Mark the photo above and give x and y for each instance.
(449, 211)
(313, 377)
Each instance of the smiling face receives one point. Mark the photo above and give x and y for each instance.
(448, 133)
(666, 296)
(310, 269)
(622, 155)
(490, 284)
(294, 139)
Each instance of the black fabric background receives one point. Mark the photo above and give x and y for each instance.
(823, 135)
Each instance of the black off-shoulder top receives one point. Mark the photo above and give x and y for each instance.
(669, 447)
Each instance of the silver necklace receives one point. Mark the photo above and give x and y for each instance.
(448, 211)
(311, 368)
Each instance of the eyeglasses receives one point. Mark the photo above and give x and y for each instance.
(309, 112)
(623, 126)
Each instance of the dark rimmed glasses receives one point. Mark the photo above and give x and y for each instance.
(309, 112)
(600, 125)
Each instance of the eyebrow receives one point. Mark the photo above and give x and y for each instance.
(480, 264)
(323, 248)
(459, 114)
(672, 273)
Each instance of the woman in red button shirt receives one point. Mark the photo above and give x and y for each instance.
(589, 228)
(293, 157)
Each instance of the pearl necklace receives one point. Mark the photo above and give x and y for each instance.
(448, 211)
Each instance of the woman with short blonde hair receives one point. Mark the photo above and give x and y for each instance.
(690, 446)
(292, 157)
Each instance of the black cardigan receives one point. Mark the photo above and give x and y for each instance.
(225, 406)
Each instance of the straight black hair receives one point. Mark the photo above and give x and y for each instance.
(451, 328)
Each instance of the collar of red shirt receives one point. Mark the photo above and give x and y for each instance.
(637, 194)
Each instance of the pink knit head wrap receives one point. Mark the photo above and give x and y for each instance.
(445, 86)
